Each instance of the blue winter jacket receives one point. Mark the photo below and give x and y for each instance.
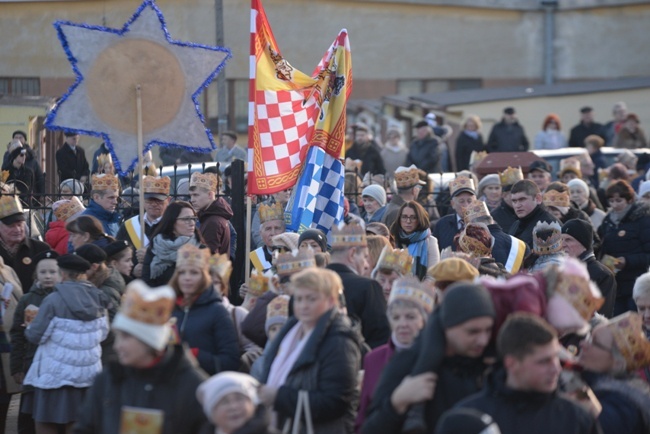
(110, 220)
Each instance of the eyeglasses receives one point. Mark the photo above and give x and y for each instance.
(188, 219)
(281, 249)
(408, 217)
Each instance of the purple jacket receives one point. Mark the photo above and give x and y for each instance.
(373, 365)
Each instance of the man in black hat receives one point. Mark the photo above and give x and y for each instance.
(71, 160)
(585, 128)
(508, 135)
(577, 242)
(19, 174)
(424, 152)
(366, 150)
(540, 173)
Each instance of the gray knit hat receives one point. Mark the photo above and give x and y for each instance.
(377, 192)
(463, 302)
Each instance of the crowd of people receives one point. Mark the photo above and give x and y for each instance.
(524, 307)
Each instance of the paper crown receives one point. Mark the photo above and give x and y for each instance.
(511, 176)
(67, 209)
(350, 235)
(258, 284)
(477, 157)
(221, 265)
(476, 209)
(470, 241)
(207, 181)
(460, 184)
(570, 165)
(556, 199)
(290, 263)
(630, 340)
(407, 177)
(156, 185)
(577, 291)
(552, 243)
(10, 205)
(151, 306)
(279, 306)
(270, 212)
(395, 260)
(191, 256)
(411, 289)
(105, 181)
(102, 160)
(353, 165)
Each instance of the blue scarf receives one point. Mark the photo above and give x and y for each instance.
(418, 248)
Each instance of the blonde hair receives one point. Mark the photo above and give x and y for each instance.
(475, 119)
(321, 280)
(206, 279)
(376, 244)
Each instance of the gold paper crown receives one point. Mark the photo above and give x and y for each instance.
(406, 177)
(258, 284)
(630, 340)
(411, 289)
(10, 205)
(207, 181)
(395, 260)
(279, 306)
(577, 291)
(67, 208)
(221, 265)
(477, 157)
(105, 181)
(550, 245)
(271, 212)
(290, 263)
(476, 209)
(461, 183)
(473, 246)
(511, 176)
(5, 175)
(556, 199)
(191, 256)
(102, 160)
(151, 306)
(156, 185)
(350, 235)
(570, 164)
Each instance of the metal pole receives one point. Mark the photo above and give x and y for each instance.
(222, 107)
(138, 102)
(550, 6)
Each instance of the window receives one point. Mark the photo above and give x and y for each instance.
(20, 86)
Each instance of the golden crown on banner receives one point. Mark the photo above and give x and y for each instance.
(411, 289)
(190, 255)
(290, 263)
(511, 176)
(630, 340)
(556, 199)
(461, 183)
(157, 185)
(207, 181)
(10, 205)
(67, 208)
(104, 181)
(350, 235)
(551, 244)
(148, 305)
(476, 209)
(221, 265)
(279, 306)
(396, 260)
(271, 212)
(477, 157)
(258, 284)
(577, 291)
(406, 177)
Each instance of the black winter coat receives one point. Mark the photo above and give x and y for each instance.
(531, 412)
(505, 216)
(580, 132)
(425, 154)
(327, 368)
(630, 238)
(169, 386)
(523, 227)
(370, 155)
(71, 164)
(445, 230)
(465, 144)
(366, 304)
(604, 279)
(507, 138)
(22, 263)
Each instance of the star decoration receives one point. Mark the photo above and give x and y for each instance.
(109, 63)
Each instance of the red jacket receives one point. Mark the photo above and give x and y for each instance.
(57, 237)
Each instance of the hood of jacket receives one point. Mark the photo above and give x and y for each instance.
(219, 207)
(81, 299)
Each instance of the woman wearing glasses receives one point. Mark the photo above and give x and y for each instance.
(176, 228)
(411, 231)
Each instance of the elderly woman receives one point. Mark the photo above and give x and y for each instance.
(411, 231)
(631, 136)
(315, 352)
(625, 236)
(641, 296)
(579, 194)
(409, 306)
(489, 191)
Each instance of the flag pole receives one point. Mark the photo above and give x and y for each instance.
(247, 264)
(138, 105)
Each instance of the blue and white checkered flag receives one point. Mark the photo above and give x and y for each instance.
(317, 199)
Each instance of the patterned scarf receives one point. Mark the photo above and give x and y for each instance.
(418, 248)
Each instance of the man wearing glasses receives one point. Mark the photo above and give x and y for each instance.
(271, 224)
(463, 193)
(214, 213)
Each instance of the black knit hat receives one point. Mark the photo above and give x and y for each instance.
(316, 235)
(73, 262)
(581, 230)
(463, 302)
(91, 253)
(465, 421)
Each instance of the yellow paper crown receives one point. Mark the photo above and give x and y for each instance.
(411, 289)
(406, 177)
(156, 185)
(105, 181)
(5, 175)
(395, 260)
(279, 306)
(151, 306)
(191, 256)
(290, 263)
(10, 205)
(556, 199)
(258, 284)
(511, 176)
(461, 183)
(630, 340)
(477, 157)
(476, 209)
(271, 212)
(577, 291)
(570, 165)
(67, 208)
(350, 235)
(473, 246)
(550, 245)
(221, 265)
(207, 181)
